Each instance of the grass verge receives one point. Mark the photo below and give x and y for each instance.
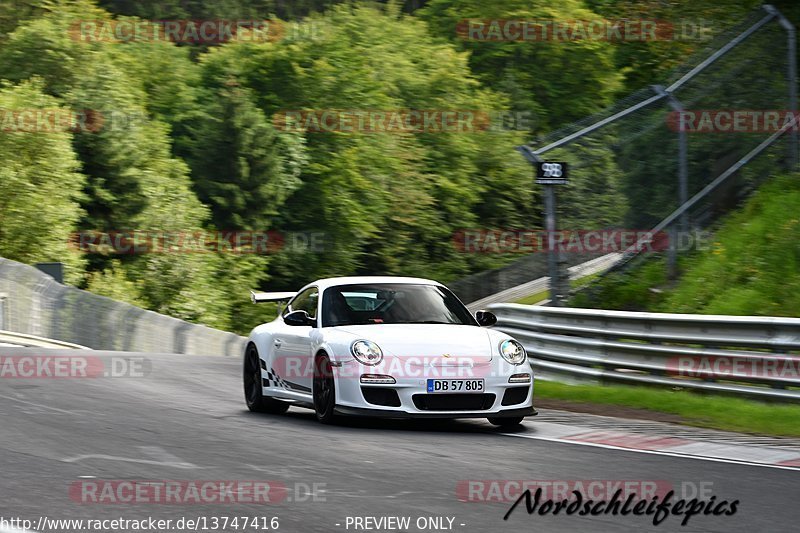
(689, 408)
(545, 294)
(751, 268)
(534, 298)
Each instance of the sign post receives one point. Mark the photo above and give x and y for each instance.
(550, 174)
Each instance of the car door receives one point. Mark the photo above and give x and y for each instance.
(294, 362)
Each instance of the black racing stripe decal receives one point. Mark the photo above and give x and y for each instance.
(295, 386)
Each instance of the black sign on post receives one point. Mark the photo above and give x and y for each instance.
(551, 173)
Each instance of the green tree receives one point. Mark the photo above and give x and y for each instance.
(695, 24)
(388, 202)
(171, 80)
(243, 168)
(40, 185)
(132, 180)
(12, 12)
(558, 81)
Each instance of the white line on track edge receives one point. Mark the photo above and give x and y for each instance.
(654, 452)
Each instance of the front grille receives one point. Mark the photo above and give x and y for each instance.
(381, 396)
(515, 395)
(453, 402)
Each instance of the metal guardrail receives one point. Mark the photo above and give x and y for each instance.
(742, 355)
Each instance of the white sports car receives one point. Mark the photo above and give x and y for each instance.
(385, 346)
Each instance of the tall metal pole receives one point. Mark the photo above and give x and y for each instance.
(552, 246)
(683, 185)
(791, 75)
(683, 156)
(553, 264)
(672, 254)
(683, 176)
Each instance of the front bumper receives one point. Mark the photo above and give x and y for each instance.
(393, 413)
(408, 396)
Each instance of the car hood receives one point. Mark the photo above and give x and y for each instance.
(440, 344)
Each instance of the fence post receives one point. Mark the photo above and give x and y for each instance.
(672, 255)
(683, 184)
(791, 75)
(683, 155)
(792, 45)
(683, 167)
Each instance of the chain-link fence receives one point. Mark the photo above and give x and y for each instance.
(666, 143)
(676, 156)
(478, 286)
(34, 303)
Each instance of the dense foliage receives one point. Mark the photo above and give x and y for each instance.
(752, 267)
(188, 140)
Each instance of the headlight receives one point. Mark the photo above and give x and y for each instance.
(366, 352)
(513, 352)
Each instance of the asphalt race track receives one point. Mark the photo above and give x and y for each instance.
(186, 420)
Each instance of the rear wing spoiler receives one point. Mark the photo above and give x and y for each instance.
(261, 297)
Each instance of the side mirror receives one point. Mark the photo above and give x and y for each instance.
(486, 318)
(299, 318)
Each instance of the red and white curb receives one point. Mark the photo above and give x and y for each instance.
(787, 458)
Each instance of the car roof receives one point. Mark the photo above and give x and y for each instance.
(325, 283)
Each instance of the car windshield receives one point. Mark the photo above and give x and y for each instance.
(392, 303)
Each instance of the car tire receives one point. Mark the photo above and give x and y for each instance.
(324, 390)
(506, 422)
(253, 394)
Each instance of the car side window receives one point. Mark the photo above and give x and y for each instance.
(305, 301)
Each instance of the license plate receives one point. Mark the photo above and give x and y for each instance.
(455, 385)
